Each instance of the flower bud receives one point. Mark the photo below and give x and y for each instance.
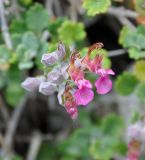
(55, 76)
(134, 131)
(32, 83)
(61, 50)
(49, 58)
(47, 88)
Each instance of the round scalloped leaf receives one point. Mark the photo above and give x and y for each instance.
(126, 83)
(135, 53)
(30, 41)
(94, 7)
(37, 18)
(70, 32)
(140, 70)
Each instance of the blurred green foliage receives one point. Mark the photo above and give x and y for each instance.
(94, 7)
(94, 141)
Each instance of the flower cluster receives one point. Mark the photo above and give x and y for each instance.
(68, 78)
(136, 134)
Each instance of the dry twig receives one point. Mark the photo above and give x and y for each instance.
(4, 26)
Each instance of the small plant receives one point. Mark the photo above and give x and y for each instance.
(68, 77)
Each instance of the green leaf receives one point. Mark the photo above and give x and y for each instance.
(112, 125)
(102, 148)
(70, 31)
(16, 39)
(135, 53)
(17, 26)
(94, 7)
(140, 91)
(126, 83)
(37, 18)
(129, 38)
(53, 27)
(13, 93)
(25, 65)
(5, 54)
(30, 41)
(139, 70)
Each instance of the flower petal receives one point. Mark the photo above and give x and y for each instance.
(103, 85)
(47, 88)
(32, 83)
(84, 96)
(110, 71)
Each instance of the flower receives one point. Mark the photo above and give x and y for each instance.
(103, 84)
(51, 58)
(135, 131)
(55, 76)
(61, 50)
(32, 83)
(71, 108)
(47, 88)
(84, 94)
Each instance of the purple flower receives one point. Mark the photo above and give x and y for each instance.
(55, 76)
(84, 93)
(49, 58)
(47, 88)
(61, 50)
(31, 83)
(52, 58)
(135, 131)
(103, 83)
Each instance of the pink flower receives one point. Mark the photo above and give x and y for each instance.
(103, 83)
(84, 93)
(71, 108)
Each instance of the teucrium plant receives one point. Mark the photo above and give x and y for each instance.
(67, 76)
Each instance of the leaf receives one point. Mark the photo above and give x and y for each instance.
(140, 91)
(13, 93)
(16, 39)
(139, 70)
(135, 53)
(5, 54)
(94, 7)
(126, 83)
(25, 65)
(37, 18)
(53, 27)
(17, 26)
(129, 38)
(112, 125)
(30, 41)
(70, 31)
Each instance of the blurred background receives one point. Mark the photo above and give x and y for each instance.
(36, 127)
